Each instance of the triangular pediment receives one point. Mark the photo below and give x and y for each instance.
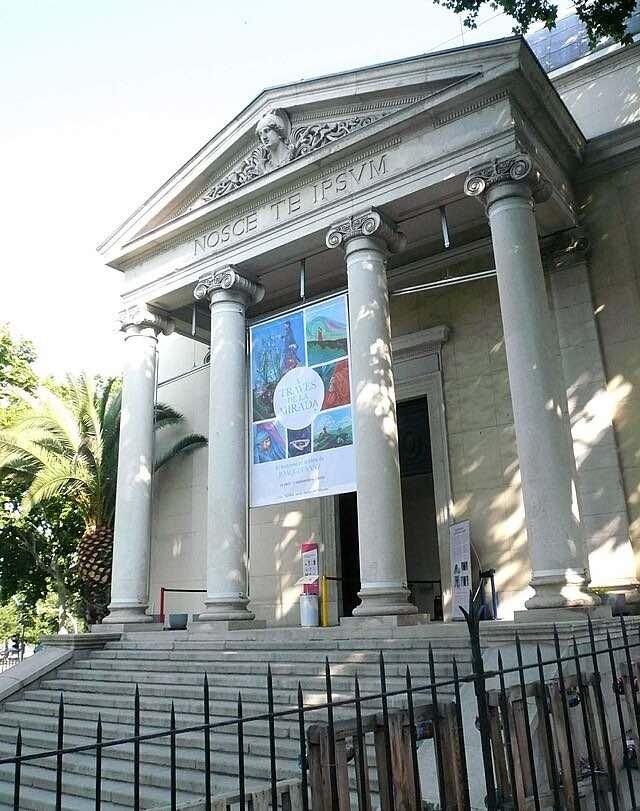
(304, 119)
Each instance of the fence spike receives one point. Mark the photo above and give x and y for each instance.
(17, 771)
(363, 798)
(437, 732)
(472, 619)
(207, 743)
(136, 750)
(413, 740)
(241, 790)
(272, 740)
(602, 717)
(304, 789)
(585, 722)
(98, 788)
(620, 715)
(548, 732)
(333, 775)
(460, 731)
(387, 735)
(174, 799)
(527, 725)
(60, 740)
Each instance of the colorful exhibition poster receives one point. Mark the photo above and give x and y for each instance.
(301, 418)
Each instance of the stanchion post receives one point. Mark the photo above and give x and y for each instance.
(324, 601)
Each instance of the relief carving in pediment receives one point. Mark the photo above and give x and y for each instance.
(279, 145)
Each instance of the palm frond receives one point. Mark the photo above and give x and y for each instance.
(186, 444)
(165, 415)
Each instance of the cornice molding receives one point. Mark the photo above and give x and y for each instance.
(416, 345)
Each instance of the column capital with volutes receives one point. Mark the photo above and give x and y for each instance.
(515, 174)
(215, 283)
(370, 223)
(138, 318)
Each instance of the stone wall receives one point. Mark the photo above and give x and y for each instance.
(178, 558)
(485, 479)
(611, 212)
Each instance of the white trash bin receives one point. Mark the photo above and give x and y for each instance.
(309, 611)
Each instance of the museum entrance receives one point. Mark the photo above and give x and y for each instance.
(419, 515)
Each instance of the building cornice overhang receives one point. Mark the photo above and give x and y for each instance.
(595, 65)
(406, 73)
(507, 78)
(610, 152)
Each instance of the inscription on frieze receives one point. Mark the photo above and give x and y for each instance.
(341, 183)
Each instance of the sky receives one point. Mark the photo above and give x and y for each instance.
(102, 101)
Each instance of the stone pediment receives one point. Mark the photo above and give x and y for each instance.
(296, 132)
(288, 126)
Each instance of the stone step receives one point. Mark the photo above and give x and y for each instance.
(404, 656)
(171, 667)
(190, 753)
(82, 785)
(111, 681)
(38, 799)
(189, 773)
(102, 703)
(254, 668)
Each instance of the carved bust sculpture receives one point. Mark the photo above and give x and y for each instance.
(273, 130)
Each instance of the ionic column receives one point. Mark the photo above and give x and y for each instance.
(132, 530)
(229, 295)
(366, 239)
(556, 549)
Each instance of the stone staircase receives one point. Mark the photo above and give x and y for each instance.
(170, 666)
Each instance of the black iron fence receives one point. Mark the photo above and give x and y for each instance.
(559, 732)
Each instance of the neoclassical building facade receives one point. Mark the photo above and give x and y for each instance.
(481, 216)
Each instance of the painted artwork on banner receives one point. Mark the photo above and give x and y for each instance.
(301, 417)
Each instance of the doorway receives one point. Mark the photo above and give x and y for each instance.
(419, 507)
(418, 512)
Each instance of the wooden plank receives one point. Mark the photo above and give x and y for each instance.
(342, 776)
(260, 800)
(557, 720)
(402, 775)
(524, 787)
(384, 779)
(318, 757)
(598, 751)
(455, 764)
(497, 747)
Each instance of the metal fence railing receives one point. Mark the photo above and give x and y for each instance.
(559, 732)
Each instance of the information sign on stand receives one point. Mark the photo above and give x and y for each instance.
(460, 543)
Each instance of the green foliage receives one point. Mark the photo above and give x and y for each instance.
(64, 445)
(16, 370)
(9, 622)
(604, 19)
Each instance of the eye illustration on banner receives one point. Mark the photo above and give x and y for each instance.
(298, 398)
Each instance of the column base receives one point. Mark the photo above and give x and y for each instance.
(221, 609)
(553, 592)
(122, 614)
(382, 601)
(576, 613)
(384, 622)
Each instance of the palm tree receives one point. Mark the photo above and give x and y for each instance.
(66, 444)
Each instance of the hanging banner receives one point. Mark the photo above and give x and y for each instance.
(460, 542)
(301, 419)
